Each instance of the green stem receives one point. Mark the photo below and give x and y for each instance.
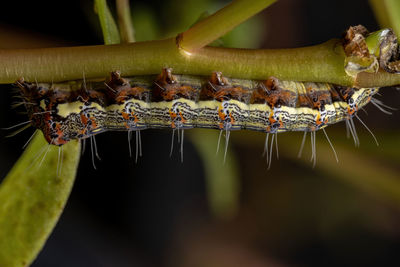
(319, 63)
(379, 79)
(108, 25)
(315, 63)
(126, 29)
(216, 25)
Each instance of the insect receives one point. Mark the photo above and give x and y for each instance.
(83, 109)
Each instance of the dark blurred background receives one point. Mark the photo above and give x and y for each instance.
(161, 212)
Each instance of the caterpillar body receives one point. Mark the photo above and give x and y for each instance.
(79, 109)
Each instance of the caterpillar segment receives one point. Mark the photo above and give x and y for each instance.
(174, 102)
(81, 109)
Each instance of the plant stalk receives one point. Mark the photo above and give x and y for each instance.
(108, 25)
(126, 29)
(221, 22)
(319, 63)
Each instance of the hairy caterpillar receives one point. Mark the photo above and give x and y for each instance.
(80, 109)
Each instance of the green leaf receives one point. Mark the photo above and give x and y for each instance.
(108, 25)
(32, 198)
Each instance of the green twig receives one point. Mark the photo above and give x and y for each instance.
(381, 78)
(126, 29)
(108, 25)
(216, 25)
(319, 63)
(315, 63)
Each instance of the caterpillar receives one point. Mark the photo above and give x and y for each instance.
(82, 109)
